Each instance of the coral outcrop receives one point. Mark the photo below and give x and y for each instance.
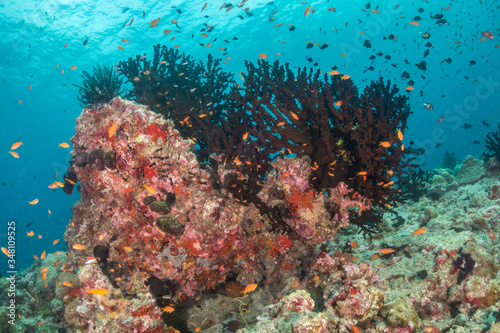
(156, 214)
(349, 137)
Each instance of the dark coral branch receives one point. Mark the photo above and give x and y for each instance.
(493, 145)
(100, 87)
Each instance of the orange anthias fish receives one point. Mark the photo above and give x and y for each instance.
(73, 67)
(33, 202)
(16, 145)
(168, 309)
(400, 135)
(64, 145)
(353, 245)
(262, 56)
(79, 247)
(101, 291)
(307, 11)
(5, 251)
(354, 329)
(43, 255)
(13, 153)
(30, 234)
(387, 251)
(419, 231)
(385, 144)
(112, 130)
(249, 288)
(55, 241)
(487, 34)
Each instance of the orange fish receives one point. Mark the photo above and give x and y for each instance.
(62, 71)
(43, 255)
(375, 256)
(400, 135)
(262, 56)
(5, 251)
(146, 72)
(355, 329)
(150, 189)
(249, 288)
(245, 136)
(101, 291)
(440, 119)
(50, 213)
(79, 247)
(387, 251)
(125, 40)
(65, 45)
(419, 231)
(128, 248)
(13, 153)
(40, 236)
(362, 173)
(30, 234)
(409, 88)
(447, 8)
(492, 235)
(53, 186)
(73, 67)
(353, 245)
(33, 202)
(154, 23)
(20, 101)
(208, 44)
(43, 270)
(385, 144)
(44, 276)
(55, 241)
(63, 145)
(281, 123)
(334, 73)
(338, 103)
(168, 309)
(67, 284)
(16, 145)
(345, 77)
(204, 6)
(307, 11)
(294, 116)
(112, 130)
(119, 47)
(415, 23)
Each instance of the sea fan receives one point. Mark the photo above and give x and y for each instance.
(100, 87)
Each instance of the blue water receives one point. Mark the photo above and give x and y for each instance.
(34, 33)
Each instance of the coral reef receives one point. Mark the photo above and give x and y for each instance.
(353, 138)
(156, 214)
(446, 278)
(100, 87)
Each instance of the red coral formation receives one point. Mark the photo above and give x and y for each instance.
(162, 219)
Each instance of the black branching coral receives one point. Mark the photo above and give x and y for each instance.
(349, 137)
(493, 145)
(100, 87)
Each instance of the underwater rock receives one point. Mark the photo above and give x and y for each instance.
(471, 171)
(66, 281)
(399, 313)
(439, 180)
(110, 160)
(170, 225)
(148, 200)
(80, 159)
(160, 207)
(428, 214)
(95, 159)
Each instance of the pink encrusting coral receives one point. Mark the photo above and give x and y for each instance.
(145, 198)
